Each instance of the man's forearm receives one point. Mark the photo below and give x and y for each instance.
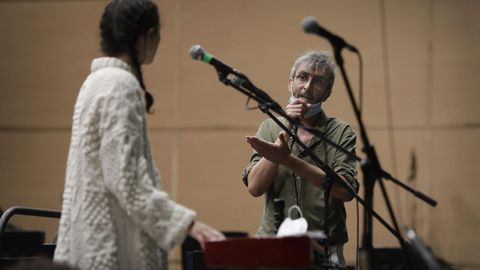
(261, 177)
(316, 176)
(307, 171)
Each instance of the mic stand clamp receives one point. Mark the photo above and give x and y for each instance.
(223, 75)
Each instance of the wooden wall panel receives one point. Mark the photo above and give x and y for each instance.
(455, 221)
(198, 129)
(263, 51)
(409, 57)
(47, 49)
(456, 50)
(213, 186)
(413, 156)
(163, 76)
(33, 169)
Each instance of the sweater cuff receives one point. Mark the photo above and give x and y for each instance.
(183, 218)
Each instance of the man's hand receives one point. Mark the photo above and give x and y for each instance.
(297, 108)
(277, 152)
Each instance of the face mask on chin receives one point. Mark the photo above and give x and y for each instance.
(314, 109)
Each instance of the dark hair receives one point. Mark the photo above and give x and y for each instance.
(123, 21)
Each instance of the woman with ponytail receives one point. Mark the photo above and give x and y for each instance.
(114, 215)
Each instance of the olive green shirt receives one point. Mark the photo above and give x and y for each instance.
(311, 198)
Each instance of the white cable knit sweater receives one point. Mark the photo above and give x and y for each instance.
(114, 216)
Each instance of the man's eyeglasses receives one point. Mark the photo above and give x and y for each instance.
(317, 82)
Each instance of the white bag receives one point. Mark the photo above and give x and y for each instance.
(290, 227)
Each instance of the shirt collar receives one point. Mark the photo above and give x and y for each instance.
(105, 62)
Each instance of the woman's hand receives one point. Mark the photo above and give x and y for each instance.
(204, 233)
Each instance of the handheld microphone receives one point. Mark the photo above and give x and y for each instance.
(198, 53)
(310, 26)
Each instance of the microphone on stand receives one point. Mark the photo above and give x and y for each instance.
(311, 26)
(198, 53)
(231, 76)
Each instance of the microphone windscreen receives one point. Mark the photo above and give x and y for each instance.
(309, 24)
(196, 52)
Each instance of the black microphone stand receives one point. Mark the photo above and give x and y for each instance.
(327, 185)
(266, 104)
(373, 172)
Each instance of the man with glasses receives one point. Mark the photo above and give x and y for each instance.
(279, 168)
